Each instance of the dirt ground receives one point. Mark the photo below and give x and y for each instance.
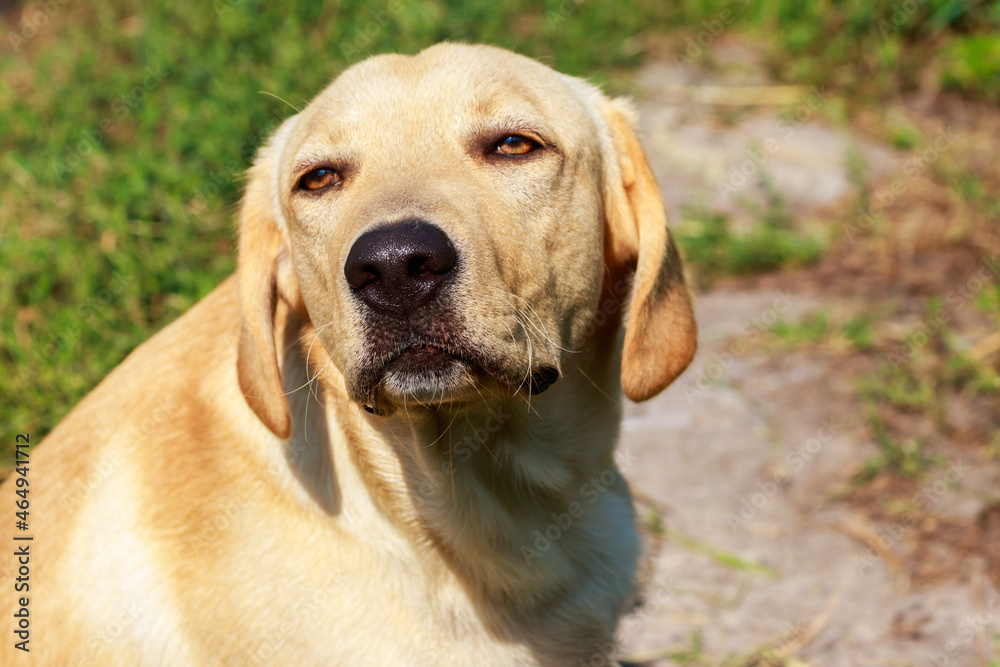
(762, 552)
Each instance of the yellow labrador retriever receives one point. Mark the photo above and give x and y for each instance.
(388, 439)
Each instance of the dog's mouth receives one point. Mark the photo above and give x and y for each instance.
(424, 371)
(423, 368)
(423, 358)
(429, 372)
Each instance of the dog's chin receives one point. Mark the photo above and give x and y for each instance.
(427, 375)
(423, 375)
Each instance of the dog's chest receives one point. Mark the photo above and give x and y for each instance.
(381, 610)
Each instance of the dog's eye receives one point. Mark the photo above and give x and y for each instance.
(515, 144)
(317, 179)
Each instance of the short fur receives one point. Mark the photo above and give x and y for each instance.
(223, 497)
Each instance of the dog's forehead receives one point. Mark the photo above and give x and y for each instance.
(444, 85)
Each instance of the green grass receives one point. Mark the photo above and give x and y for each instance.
(928, 367)
(695, 655)
(713, 248)
(849, 332)
(810, 328)
(867, 50)
(691, 655)
(908, 458)
(918, 372)
(721, 556)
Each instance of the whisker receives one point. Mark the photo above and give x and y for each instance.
(477, 435)
(448, 428)
(542, 329)
(308, 355)
(280, 99)
(601, 391)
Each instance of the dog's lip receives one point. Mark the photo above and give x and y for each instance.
(426, 353)
(423, 349)
(445, 361)
(425, 362)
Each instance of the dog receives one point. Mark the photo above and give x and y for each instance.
(389, 438)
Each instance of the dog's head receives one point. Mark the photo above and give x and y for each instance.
(446, 222)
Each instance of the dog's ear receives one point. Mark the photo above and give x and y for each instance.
(660, 334)
(265, 276)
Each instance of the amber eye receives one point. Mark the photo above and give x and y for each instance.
(515, 144)
(317, 179)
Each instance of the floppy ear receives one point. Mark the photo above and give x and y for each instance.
(265, 275)
(660, 334)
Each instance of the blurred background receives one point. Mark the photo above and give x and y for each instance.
(822, 487)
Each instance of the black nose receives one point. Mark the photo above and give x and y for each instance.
(399, 267)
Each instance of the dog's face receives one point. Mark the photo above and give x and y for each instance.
(441, 219)
(446, 221)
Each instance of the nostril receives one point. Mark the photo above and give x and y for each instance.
(436, 261)
(369, 274)
(360, 276)
(441, 260)
(417, 267)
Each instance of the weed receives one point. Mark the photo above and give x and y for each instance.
(858, 331)
(721, 556)
(811, 328)
(713, 249)
(908, 459)
(693, 655)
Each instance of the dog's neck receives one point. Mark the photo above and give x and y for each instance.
(515, 496)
